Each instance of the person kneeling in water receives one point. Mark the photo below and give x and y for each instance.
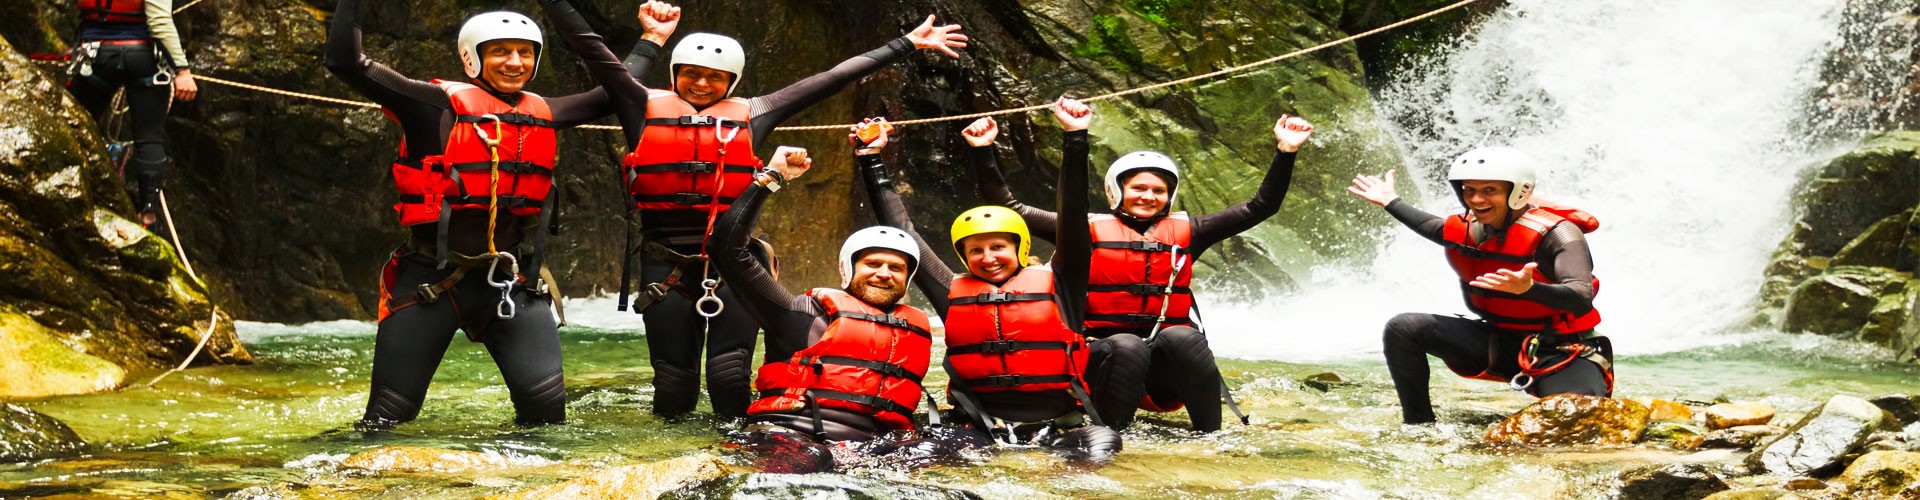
(1149, 349)
(1524, 268)
(1015, 353)
(848, 360)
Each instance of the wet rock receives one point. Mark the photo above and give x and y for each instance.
(1661, 409)
(633, 481)
(812, 486)
(1841, 301)
(1805, 484)
(1858, 212)
(1858, 189)
(1683, 434)
(1882, 473)
(1676, 481)
(1572, 419)
(1882, 245)
(1324, 382)
(30, 435)
(1742, 437)
(1724, 415)
(416, 459)
(35, 364)
(1905, 409)
(1766, 493)
(1820, 440)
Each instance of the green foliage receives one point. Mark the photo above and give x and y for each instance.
(1108, 43)
(1155, 10)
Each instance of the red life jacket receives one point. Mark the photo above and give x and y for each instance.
(868, 361)
(691, 159)
(1011, 337)
(1512, 252)
(460, 178)
(1130, 273)
(113, 11)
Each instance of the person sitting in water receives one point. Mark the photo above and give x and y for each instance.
(848, 361)
(676, 138)
(1149, 351)
(1524, 269)
(1015, 355)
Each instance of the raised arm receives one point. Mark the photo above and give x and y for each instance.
(932, 274)
(1073, 248)
(769, 111)
(786, 321)
(992, 186)
(383, 85)
(1380, 191)
(626, 98)
(1289, 133)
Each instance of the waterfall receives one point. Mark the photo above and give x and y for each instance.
(1682, 125)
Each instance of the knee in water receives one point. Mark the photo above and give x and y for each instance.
(675, 389)
(543, 402)
(728, 383)
(387, 408)
(1089, 443)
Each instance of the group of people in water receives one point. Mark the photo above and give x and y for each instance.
(1060, 354)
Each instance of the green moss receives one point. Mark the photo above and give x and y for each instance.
(1155, 11)
(1109, 44)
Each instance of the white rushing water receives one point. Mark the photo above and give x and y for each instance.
(1680, 124)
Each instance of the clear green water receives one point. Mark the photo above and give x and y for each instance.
(284, 420)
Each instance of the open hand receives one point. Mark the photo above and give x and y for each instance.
(941, 38)
(1374, 189)
(1291, 131)
(791, 162)
(657, 21)
(981, 132)
(1073, 114)
(1514, 282)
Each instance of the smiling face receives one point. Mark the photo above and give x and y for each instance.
(991, 256)
(1487, 200)
(507, 65)
(879, 277)
(701, 86)
(1144, 195)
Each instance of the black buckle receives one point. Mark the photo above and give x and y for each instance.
(893, 321)
(995, 297)
(425, 294)
(996, 346)
(690, 198)
(698, 120)
(1152, 246)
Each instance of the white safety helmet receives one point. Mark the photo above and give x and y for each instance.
(714, 51)
(882, 237)
(499, 25)
(1495, 164)
(1135, 161)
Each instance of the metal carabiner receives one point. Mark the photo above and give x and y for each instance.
(493, 267)
(490, 140)
(505, 309)
(1517, 385)
(700, 306)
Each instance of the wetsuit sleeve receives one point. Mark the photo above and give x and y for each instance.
(160, 25)
(1218, 226)
(406, 97)
(992, 186)
(1565, 258)
(1427, 225)
(931, 274)
(759, 292)
(1073, 247)
(618, 94)
(640, 59)
(769, 111)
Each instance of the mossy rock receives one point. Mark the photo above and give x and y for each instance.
(1884, 244)
(1850, 194)
(1840, 301)
(34, 364)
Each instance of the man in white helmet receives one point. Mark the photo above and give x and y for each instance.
(474, 173)
(1150, 351)
(691, 154)
(845, 363)
(1524, 269)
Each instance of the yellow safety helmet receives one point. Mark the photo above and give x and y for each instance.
(992, 219)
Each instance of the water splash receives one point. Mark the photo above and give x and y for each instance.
(1682, 125)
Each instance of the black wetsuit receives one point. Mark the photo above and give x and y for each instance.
(135, 66)
(1470, 346)
(1177, 366)
(412, 340)
(675, 332)
(1073, 251)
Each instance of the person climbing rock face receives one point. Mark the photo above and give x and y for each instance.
(1149, 350)
(133, 44)
(690, 156)
(1524, 269)
(1015, 354)
(475, 171)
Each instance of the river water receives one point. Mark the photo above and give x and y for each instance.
(1682, 124)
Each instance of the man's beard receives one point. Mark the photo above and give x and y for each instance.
(877, 296)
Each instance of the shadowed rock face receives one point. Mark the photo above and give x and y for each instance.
(77, 271)
(287, 202)
(28, 435)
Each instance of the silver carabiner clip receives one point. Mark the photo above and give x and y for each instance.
(1516, 383)
(513, 270)
(700, 306)
(505, 310)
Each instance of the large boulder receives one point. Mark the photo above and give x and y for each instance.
(1670, 482)
(1882, 473)
(1573, 419)
(1857, 212)
(812, 487)
(34, 364)
(1821, 440)
(645, 481)
(93, 281)
(1841, 301)
(30, 435)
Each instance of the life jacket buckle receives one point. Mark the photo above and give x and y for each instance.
(697, 120)
(996, 347)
